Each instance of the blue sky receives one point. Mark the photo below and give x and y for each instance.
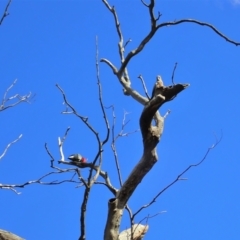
(49, 42)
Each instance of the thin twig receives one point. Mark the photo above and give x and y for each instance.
(24, 98)
(91, 180)
(65, 135)
(113, 146)
(114, 140)
(144, 86)
(81, 178)
(100, 143)
(148, 217)
(39, 181)
(155, 27)
(121, 47)
(103, 174)
(6, 13)
(52, 158)
(60, 144)
(173, 73)
(113, 190)
(130, 213)
(178, 178)
(166, 114)
(128, 41)
(144, 3)
(167, 24)
(9, 145)
(130, 218)
(114, 69)
(100, 97)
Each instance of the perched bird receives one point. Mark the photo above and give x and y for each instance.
(158, 86)
(77, 158)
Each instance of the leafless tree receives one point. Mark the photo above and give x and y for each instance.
(151, 127)
(6, 103)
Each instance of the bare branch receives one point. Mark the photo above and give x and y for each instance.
(155, 27)
(173, 73)
(144, 86)
(103, 174)
(148, 217)
(60, 144)
(123, 76)
(144, 41)
(6, 13)
(9, 145)
(166, 114)
(121, 47)
(144, 3)
(52, 158)
(65, 136)
(114, 140)
(84, 119)
(75, 170)
(151, 136)
(115, 71)
(128, 41)
(113, 146)
(131, 219)
(151, 13)
(162, 95)
(113, 190)
(81, 178)
(39, 181)
(100, 97)
(129, 212)
(117, 23)
(158, 17)
(133, 93)
(17, 97)
(167, 24)
(91, 180)
(121, 73)
(179, 177)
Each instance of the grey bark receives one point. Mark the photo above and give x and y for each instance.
(151, 136)
(5, 235)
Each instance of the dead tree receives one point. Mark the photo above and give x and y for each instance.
(151, 125)
(151, 133)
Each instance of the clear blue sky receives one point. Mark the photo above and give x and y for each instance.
(49, 42)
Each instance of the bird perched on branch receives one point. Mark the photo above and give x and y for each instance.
(158, 87)
(77, 158)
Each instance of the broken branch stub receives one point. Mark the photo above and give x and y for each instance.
(161, 95)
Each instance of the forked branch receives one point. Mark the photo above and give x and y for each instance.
(8, 102)
(154, 28)
(41, 181)
(178, 178)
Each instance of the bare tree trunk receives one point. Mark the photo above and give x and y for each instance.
(5, 235)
